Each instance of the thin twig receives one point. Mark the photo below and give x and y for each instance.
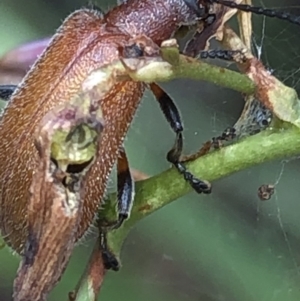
(158, 191)
(90, 284)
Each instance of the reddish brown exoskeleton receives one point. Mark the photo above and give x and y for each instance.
(86, 41)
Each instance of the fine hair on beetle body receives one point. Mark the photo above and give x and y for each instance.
(89, 40)
(93, 40)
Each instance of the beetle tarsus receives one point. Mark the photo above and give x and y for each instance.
(226, 55)
(198, 185)
(228, 135)
(172, 115)
(124, 204)
(110, 260)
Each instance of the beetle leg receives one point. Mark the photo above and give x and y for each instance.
(110, 261)
(228, 135)
(227, 55)
(125, 188)
(125, 195)
(6, 91)
(192, 50)
(124, 203)
(173, 117)
(194, 47)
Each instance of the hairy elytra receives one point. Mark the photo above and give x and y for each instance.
(86, 40)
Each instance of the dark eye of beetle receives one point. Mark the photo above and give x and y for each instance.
(196, 7)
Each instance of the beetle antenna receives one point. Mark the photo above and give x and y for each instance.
(272, 13)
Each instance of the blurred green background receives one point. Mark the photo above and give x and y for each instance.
(225, 246)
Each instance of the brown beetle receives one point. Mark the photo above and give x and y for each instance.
(88, 40)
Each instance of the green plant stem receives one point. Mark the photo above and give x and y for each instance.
(158, 191)
(191, 68)
(175, 65)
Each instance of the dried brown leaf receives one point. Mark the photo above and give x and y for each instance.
(282, 100)
(206, 31)
(245, 25)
